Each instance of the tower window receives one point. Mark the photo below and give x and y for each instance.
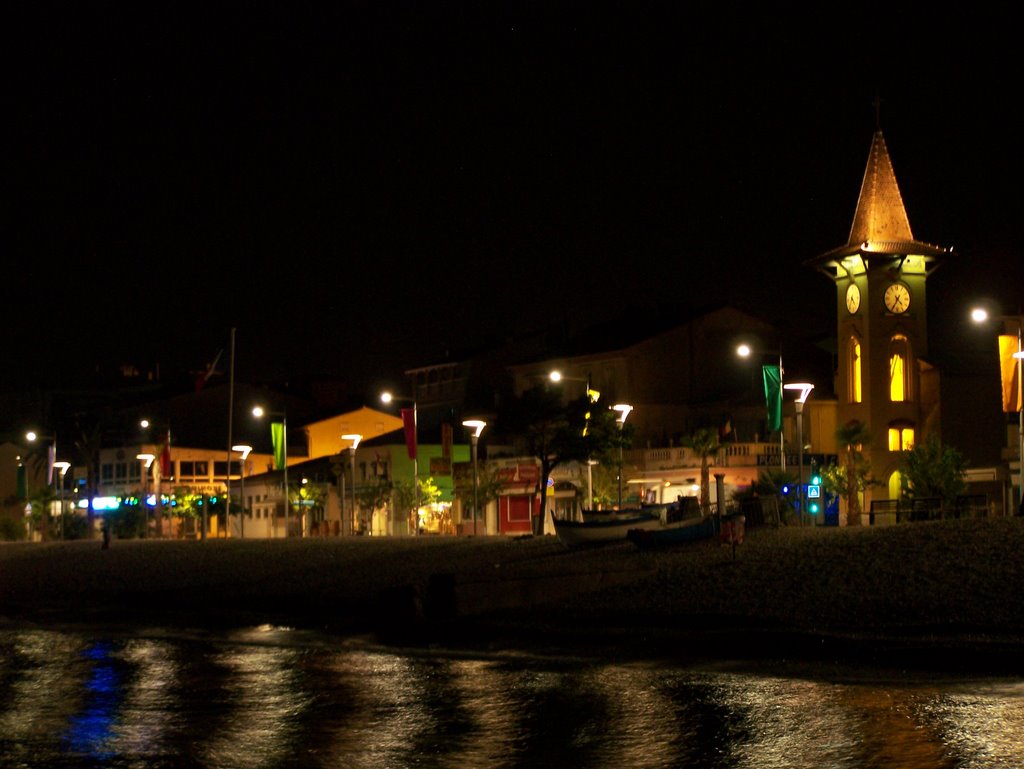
(899, 369)
(901, 437)
(854, 385)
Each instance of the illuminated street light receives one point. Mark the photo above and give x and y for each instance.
(355, 438)
(388, 397)
(63, 467)
(259, 412)
(31, 436)
(803, 389)
(477, 425)
(981, 315)
(592, 395)
(745, 351)
(147, 462)
(623, 409)
(244, 450)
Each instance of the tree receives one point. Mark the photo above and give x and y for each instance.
(856, 470)
(556, 433)
(489, 486)
(934, 470)
(704, 443)
(403, 498)
(88, 443)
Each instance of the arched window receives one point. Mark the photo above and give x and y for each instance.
(854, 390)
(901, 437)
(895, 485)
(899, 369)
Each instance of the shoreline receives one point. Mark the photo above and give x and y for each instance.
(942, 595)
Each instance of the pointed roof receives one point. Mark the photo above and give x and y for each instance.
(880, 222)
(880, 214)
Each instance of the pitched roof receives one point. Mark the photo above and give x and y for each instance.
(880, 213)
(880, 222)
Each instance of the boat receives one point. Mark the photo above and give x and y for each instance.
(665, 535)
(597, 527)
(728, 528)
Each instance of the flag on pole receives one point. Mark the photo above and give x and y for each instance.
(409, 423)
(202, 377)
(165, 457)
(1009, 369)
(773, 396)
(277, 437)
(51, 457)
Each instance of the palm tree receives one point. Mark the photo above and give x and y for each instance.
(704, 443)
(851, 437)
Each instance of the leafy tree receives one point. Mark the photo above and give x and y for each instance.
(88, 443)
(489, 485)
(770, 483)
(403, 498)
(856, 469)
(557, 433)
(934, 470)
(704, 443)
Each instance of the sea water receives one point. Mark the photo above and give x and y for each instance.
(276, 697)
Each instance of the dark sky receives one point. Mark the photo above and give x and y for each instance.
(358, 187)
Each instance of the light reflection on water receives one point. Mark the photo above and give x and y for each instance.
(272, 697)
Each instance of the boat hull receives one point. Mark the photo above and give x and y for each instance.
(605, 528)
(691, 530)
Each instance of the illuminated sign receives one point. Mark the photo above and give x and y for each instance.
(813, 491)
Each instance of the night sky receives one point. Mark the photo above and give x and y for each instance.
(358, 188)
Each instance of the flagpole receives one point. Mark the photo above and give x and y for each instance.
(231, 412)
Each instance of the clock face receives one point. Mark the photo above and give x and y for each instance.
(852, 298)
(897, 298)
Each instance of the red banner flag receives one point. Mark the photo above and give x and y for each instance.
(165, 457)
(409, 422)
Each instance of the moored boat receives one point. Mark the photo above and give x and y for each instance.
(604, 527)
(687, 530)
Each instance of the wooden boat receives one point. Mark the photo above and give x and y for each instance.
(596, 527)
(687, 530)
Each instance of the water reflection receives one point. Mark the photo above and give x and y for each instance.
(273, 697)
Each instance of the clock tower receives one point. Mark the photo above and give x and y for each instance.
(880, 277)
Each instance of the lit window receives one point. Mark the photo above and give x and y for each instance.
(901, 438)
(899, 369)
(855, 371)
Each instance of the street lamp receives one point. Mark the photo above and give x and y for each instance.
(414, 450)
(259, 412)
(803, 389)
(355, 438)
(981, 315)
(623, 409)
(477, 425)
(161, 469)
(31, 436)
(745, 351)
(147, 462)
(63, 467)
(593, 396)
(244, 450)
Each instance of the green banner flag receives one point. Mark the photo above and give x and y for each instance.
(22, 485)
(773, 396)
(277, 436)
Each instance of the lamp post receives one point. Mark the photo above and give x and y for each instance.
(388, 397)
(355, 438)
(623, 409)
(147, 462)
(31, 436)
(745, 351)
(158, 474)
(803, 390)
(259, 411)
(63, 467)
(477, 426)
(244, 450)
(593, 396)
(981, 315)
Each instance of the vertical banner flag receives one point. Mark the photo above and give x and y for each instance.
(409, 422)
(277, 438)
(51, 457)
(22, 485)
(1008, 369)
(165, 457)
(773, 396)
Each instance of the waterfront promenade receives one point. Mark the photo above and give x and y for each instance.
(951, 588)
